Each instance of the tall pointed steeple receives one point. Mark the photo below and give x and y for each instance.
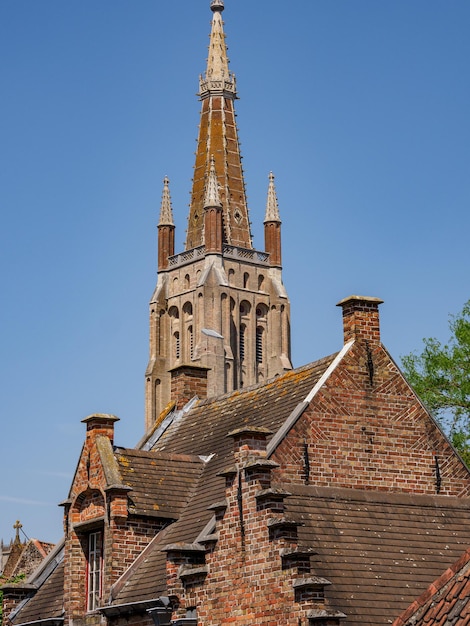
(218, 138)
(219, 315)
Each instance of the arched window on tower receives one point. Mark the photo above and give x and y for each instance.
(242, 339)
(259, 344)
(187, 330)
(190, 342)
(175, 332)
(176, 346)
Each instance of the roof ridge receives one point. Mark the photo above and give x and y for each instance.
(280, 377)
(161, 454)
(375, 496)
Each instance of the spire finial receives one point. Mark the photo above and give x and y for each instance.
(166, 212)
(272, 207)
(217, 5)
(212, 198)
(217, 61)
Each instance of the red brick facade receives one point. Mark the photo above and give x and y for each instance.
(254, 573)
(366, 429)
(95, 505)
(188, 381)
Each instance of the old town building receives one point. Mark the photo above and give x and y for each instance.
(258, 494)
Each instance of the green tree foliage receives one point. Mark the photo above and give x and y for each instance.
(440, 375)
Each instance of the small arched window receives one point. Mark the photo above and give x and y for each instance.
(242, 342)
(246, 278)
(177, 346)
(173, 312)
(190, 342)
(261, 311)
(259, 345)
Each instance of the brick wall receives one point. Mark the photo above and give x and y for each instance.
(247, 577)
(366, 429)
(92, 506)
(188, 381)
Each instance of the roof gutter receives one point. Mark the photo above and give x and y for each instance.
(51, 621)
(133, 608)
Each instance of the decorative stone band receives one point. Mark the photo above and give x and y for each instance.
(217, 87)
(232, 252)
(246, 254)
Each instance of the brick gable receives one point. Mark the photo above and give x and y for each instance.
(366, 429)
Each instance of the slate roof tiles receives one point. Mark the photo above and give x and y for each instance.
(161, 483)
(48, 601)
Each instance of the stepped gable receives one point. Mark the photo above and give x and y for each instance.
(204, 431)
(47, 603)
(379, 549)
(444, 603)
(161, 483)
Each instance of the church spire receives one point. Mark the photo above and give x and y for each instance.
(218, 138)
(217, 61)
(219, 315)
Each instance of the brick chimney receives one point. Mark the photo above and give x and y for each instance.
(100, 424)
(361, 318)
(188, 381)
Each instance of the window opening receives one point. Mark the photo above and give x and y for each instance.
(242, 342)
(95, 559)
(177, 345)
(190, 342)
(259, 345)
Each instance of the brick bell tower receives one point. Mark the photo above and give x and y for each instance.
(219, 305)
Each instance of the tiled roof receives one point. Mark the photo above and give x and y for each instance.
(203, 431)
(378, 549)
(48, 601)
(446, 602)
(161, 483)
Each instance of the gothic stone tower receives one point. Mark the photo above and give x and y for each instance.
(220, 306)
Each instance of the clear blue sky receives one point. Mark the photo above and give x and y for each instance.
(359, 107)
